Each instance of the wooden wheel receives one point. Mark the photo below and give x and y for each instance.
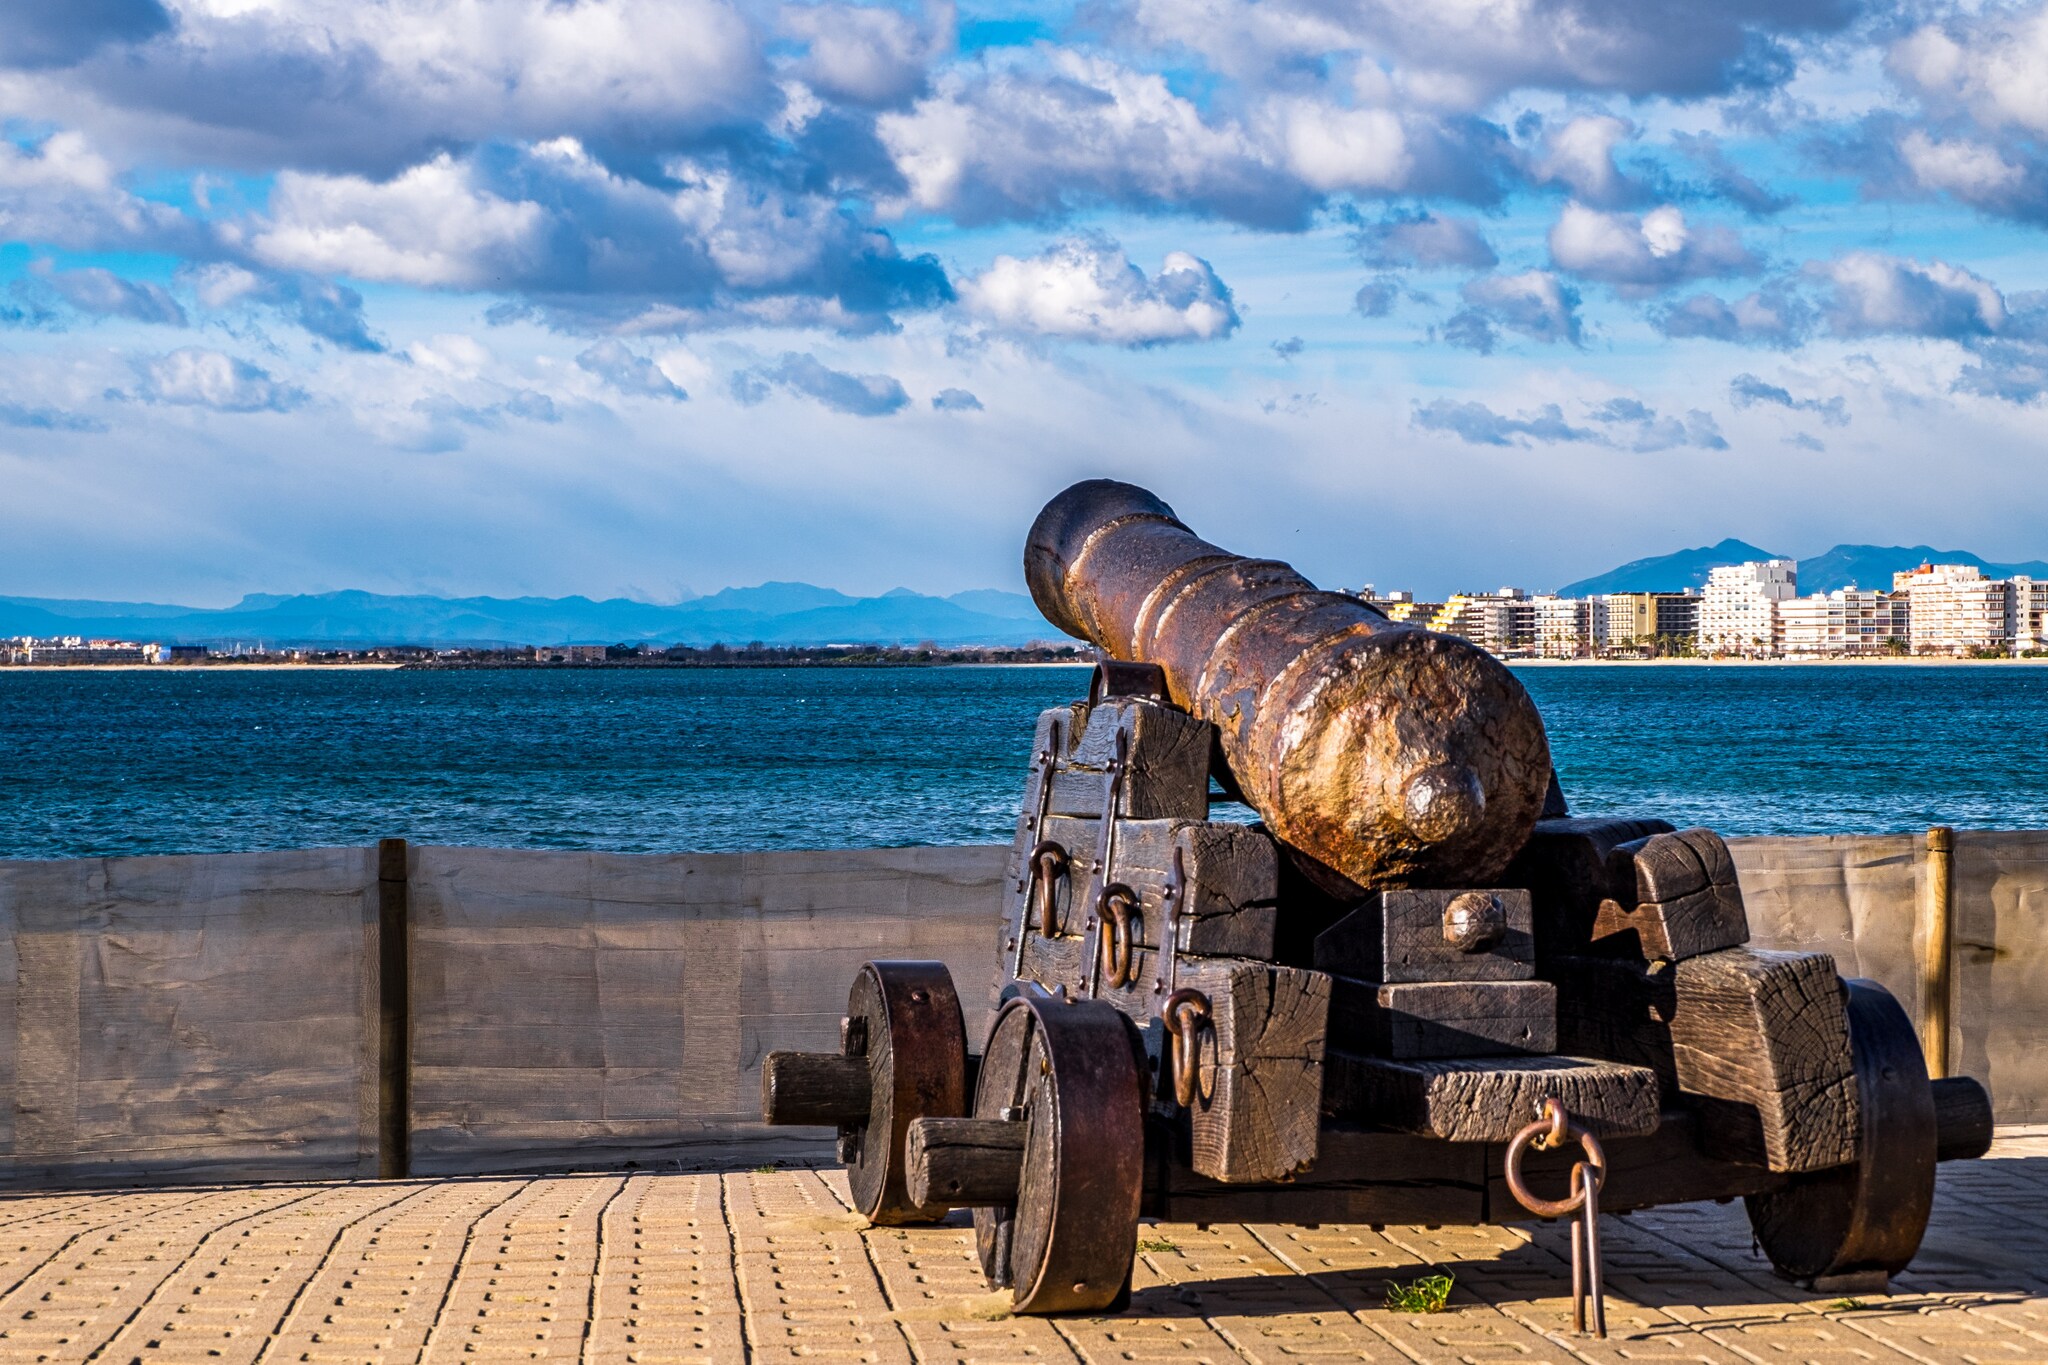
(903, 1056)
(1866, 1218)
(1069, 1071)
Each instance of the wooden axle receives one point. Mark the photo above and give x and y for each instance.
(815, 1088)
(965, 1163)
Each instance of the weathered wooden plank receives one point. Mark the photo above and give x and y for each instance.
(1489, 1099)
(1564, 866)
(1404, 935)
(1673, 896)
(1260, 1079)
(1756, 1042)
(1230, 874)
(1426, 1019)
(964, 1163)
(1359, 1177)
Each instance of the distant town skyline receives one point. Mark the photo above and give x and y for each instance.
(639, 297)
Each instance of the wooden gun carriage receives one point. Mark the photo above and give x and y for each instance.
(1397, 998)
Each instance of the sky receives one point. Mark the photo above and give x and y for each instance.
(647, 298)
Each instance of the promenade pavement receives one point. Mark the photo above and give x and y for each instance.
(771, 1266)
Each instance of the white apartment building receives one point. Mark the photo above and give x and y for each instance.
(1739, 615)
(1569, 627)
(1846, 621)
(1956, 609)
(2027, 614)
(1501, 622)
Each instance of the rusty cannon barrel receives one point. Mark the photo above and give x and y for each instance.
(1391, 754)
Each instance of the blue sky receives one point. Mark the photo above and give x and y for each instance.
(650, 297)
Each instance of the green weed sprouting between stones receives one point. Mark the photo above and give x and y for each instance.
(1426, 1295)
(1156, 1244)
(1845, 1305)
(769, 1169)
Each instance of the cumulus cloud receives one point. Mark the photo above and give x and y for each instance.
(1638, 427)
(1009, 143)
(326, 309)
(859, 395)
(862, 53)
(1773, 316)
(210, 379)
(1874, 294)
(1289, 348)
(1625, 423)
(1746, 391)
(955, 400)
(554, 223)
(104, 294)
(1653, 252)
(626, 370)
(1086, 289)
(1419, 238)
(1466, 55)
(1535, 303)
(372, 88)
(1478, 424)
(1579, 156)
(63, 192)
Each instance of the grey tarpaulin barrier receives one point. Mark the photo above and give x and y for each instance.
(1860, 896)
(189, 1018)
(571, 1007)
(217, 1017)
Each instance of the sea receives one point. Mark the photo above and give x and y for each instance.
(102, 763)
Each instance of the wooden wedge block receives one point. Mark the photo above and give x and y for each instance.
(1489, 1099)
(1427, 1019)
(1755, 1042)
(1564, 866)
(1673, 896)
(1429, 935)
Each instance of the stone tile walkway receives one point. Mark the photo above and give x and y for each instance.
(773, 1267)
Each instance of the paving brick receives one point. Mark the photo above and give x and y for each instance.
(708, 1269)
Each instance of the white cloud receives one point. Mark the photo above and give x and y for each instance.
(1655, 251)
(434, 225)
(626, 370)
(861, 53)
(1972, 171)
(1873, 293)
(1535, 303)
(104, 294)
(210, 379)
(1086, 289)
(1989, 65)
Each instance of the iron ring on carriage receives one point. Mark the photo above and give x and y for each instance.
(1552, 1130)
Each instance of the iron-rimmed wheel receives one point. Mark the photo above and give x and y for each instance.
(1867, 1217)
(1069, 1070)
(903, 1056)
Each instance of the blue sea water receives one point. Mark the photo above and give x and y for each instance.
(206, 760)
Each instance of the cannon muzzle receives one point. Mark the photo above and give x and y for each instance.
(1393, 755)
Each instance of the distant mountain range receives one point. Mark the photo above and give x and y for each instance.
(1860, 566)
(773, 613)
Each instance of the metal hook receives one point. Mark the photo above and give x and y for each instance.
(1049, 861)
(1553, 1130)
(1185, 1011)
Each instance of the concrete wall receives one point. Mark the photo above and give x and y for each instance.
(216, 1017)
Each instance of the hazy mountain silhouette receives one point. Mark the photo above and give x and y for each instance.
(772, 613)
(1674, 572)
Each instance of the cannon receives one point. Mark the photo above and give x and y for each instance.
(1414, 989)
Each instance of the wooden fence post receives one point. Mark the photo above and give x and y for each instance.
(1937, 948)
(394, 1013)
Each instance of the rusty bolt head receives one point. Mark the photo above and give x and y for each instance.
(1444, 802)
(1474, 921)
